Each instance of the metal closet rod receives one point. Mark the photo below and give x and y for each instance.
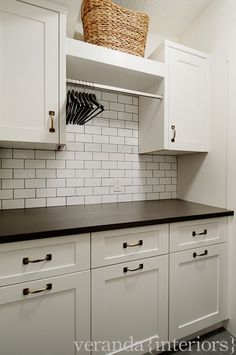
(113, 89)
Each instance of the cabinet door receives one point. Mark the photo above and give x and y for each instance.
(28, 73)
(129, 305)
(47, 322)
(187, 101)
(197, 289)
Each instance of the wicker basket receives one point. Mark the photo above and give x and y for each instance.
(109, 25)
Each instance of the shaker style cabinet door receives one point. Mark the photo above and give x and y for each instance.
(29, 74)
(130, 304)
(187, 101)
(45, 316)
(197, 289)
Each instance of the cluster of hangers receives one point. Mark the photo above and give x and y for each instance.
(82, 104)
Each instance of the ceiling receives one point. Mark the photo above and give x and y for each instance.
(167, 17)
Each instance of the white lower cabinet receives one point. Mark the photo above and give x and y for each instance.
(45, 316)
(197, 289)
(130, 303)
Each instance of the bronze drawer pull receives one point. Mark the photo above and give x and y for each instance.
(126, 245)
(203, 233)
(174, 133)
(203, 254)
(52, 116)
(27, 291)
(126, 269)
(27, 261)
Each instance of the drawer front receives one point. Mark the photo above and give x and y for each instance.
(36, 259)
(122, 245)
(192, 234)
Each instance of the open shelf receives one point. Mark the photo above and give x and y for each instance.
(105, 66)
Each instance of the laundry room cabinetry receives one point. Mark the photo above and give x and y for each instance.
(32, 76)
(179, 123)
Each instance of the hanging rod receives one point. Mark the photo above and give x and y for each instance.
(113, 89)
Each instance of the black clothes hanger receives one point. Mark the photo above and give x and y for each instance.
(81, 106)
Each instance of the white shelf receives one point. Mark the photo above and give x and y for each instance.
(109, 67)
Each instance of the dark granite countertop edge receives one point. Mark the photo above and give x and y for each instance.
(113, 226)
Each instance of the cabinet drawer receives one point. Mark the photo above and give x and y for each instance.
(36, 259)
(192, 234)
(122, 245)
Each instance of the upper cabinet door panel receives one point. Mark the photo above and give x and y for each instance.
(29, 69)
(187, 97)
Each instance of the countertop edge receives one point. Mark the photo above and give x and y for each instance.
(113, 226)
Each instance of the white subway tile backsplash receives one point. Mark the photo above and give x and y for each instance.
(6, 194)
(125, 99)
(24, 173)
(24, 193)
(80, 191)
(23, 154)
(110, 148)
(35, 183)
(131, 109)
(96, 154)
(93, 182)
(93, 199)
(101, 173)
(69, 173)
(75, 200)
(109, 131)
(57, 164)
(93, 165)
(45, 154)
(12, 204)
(56, 201)
(66, 191)
(109, 198)
(100, 139)
(109, 96)
(46, 192)
(46, 173)
(65, 155)
(117, 106)
(6, 173)
(74, 164)
(13, 184)
(5, 153)
(56, 182)
(75, 182)
(35, 202)
(93, 147)
(101, 156)
(125, 116)
(34, 164)
(13, 163)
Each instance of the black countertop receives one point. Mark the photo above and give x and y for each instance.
(26, 224)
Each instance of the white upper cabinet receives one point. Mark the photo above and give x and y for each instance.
(179, 123)
(31, 69)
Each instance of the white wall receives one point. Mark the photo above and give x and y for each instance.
(210, 178)
(203, 177)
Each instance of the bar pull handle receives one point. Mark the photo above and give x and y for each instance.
(52, 116)
(126, 269)
(27, 291)
(126, 245)
(203, 254)
(174, 133)
(27, 261)
(202, 233)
